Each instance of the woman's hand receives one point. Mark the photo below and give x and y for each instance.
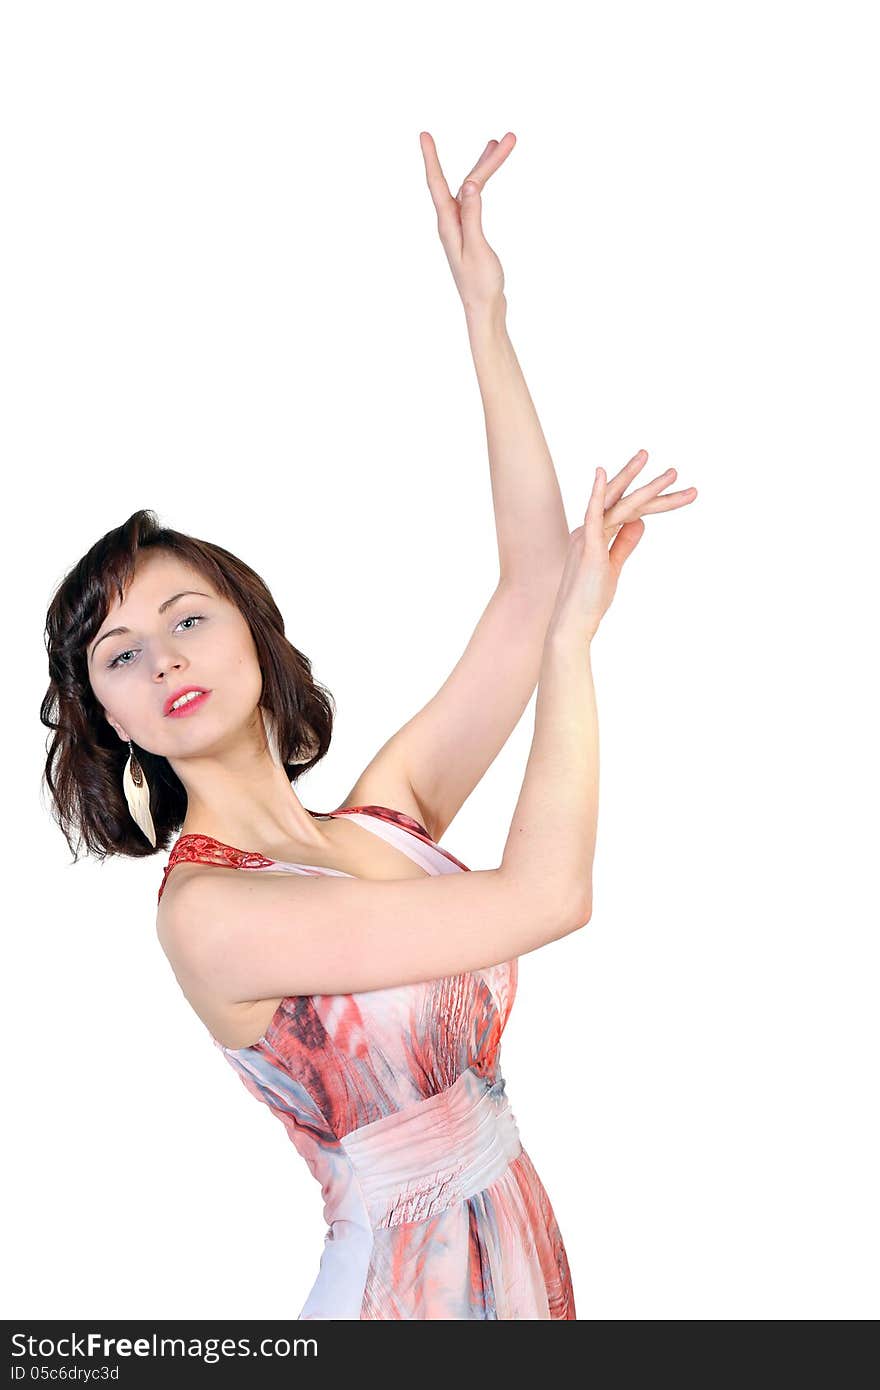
(644, 501)
(589, 578)
(475, 268)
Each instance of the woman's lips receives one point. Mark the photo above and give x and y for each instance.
(188, 706)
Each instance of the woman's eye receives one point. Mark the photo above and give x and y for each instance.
(117, 660)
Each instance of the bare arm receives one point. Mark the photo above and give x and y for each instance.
(553, 833)
(242, 936)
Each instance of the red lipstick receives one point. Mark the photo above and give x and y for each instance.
(188, 706)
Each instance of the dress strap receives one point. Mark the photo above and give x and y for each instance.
(399, 829)
(405, 834)
(203, 849)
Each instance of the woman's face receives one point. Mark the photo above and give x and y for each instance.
(198, 639)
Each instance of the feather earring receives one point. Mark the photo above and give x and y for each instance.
(137, 794)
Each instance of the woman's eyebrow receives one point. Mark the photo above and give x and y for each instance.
(116, 631)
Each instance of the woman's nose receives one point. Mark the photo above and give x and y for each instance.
(165, 668)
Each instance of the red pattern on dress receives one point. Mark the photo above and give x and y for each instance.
(204, 849)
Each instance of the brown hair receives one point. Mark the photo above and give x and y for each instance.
(86, 757)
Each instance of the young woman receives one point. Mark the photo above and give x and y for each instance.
(356, 975)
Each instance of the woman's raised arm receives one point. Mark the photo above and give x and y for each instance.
(242, 936)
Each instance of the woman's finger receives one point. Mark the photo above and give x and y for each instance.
(489, 144)
(621, 481)
(627, 540)
(667, 501)
(647, 506)
(437, 184)
(594, 520)
(635, 501)
(490, 160)
(475, 173)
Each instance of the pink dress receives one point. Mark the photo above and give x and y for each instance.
(395, 1099)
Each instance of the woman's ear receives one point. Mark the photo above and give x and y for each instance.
(118, 727)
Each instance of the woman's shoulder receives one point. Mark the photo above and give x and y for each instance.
(177, 876)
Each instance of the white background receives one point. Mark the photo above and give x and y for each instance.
(225, 299)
